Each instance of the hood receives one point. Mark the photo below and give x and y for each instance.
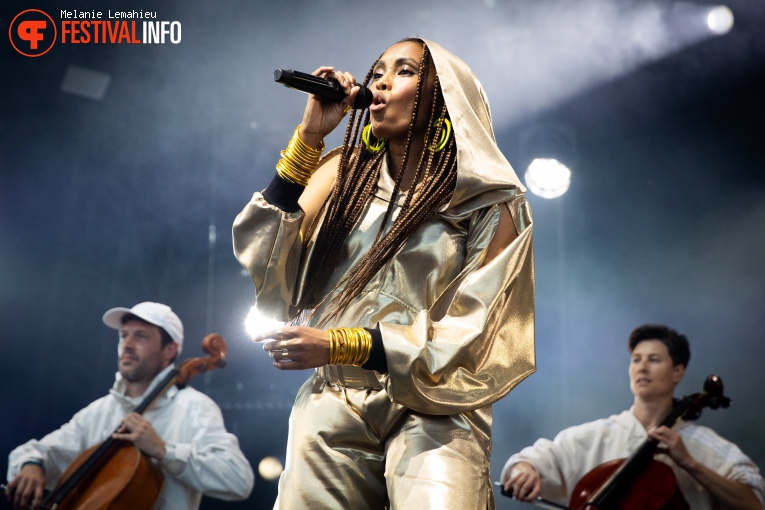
(484, 176)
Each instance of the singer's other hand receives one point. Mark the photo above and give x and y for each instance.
(296, 347)
(321, 117)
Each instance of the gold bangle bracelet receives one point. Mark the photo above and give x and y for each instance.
(298, 161)
(349, 346)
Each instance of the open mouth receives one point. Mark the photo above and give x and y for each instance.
(378, 102)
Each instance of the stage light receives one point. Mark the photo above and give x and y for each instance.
(720, 20)
(550, 148)
(257, 323)
(548, 177)
(270, 468)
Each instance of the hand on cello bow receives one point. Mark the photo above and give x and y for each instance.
(524, 482)
(26, 490)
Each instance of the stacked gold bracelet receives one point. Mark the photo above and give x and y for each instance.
(349, 346)
(298, 160)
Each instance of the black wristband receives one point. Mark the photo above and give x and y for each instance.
(283, 194)
(377, 360)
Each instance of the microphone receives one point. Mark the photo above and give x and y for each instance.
(324, 88)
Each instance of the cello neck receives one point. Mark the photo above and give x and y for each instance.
(157, 391)
(678, 409)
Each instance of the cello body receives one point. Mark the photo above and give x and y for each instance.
(129, 481)
(655, 487)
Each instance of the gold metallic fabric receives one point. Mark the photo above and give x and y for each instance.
(458, 333)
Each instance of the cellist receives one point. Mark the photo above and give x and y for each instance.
(711, 472)
(182, 432)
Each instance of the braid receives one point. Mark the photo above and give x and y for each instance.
(356, 181)
(342, 199)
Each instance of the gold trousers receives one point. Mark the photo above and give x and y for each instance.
(352, 448)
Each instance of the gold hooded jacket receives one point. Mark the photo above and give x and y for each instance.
(458, 334)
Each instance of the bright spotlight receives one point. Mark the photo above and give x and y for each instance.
(257, 323)
(548, 178)
(720, 20)
(270, 468)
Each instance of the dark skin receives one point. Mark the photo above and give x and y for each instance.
(394, 85)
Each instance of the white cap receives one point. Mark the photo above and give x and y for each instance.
(153, 313)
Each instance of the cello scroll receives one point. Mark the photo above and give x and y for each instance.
(214, 345)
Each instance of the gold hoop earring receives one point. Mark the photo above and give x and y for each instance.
(446, 133)
(372, 148)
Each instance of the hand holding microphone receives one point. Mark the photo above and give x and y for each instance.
(324, 88)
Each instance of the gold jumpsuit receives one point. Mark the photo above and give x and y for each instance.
(458, 334)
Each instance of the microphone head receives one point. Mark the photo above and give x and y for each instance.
(283, 75)
(363, 99)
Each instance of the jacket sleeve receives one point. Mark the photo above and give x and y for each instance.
(267, 243)
(210, 461)
(476, 342)
(548, 458)
(57, 449)
(562, 462)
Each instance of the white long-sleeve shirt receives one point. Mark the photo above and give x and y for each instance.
(201, 456)
(562, 462)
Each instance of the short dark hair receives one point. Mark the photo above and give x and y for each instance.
(166, 338)
(677, 344)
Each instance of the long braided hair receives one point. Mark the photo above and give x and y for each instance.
(357, 177)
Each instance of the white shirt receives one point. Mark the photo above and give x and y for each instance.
(561, 463)
(201, 456)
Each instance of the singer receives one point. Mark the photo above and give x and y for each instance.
(403, 261)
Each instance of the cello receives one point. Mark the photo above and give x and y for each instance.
(640, 482)
(116, 474)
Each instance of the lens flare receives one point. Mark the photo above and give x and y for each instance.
(257, 323)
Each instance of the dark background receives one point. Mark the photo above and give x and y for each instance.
(112, 201)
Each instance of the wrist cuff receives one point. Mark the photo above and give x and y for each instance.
(283, 194)
(377, 360)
